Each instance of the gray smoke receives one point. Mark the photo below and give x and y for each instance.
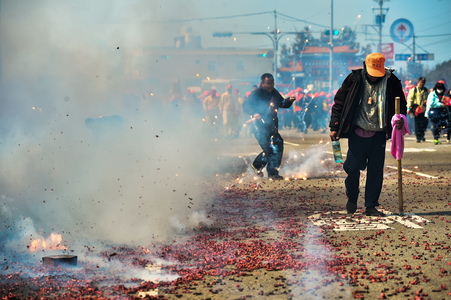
(80, 154)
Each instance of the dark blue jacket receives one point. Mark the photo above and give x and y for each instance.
(266, 104)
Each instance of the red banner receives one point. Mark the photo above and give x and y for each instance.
(388, 50)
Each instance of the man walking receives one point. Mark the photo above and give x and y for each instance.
(263, 104)
(363, 109)
(416, 106)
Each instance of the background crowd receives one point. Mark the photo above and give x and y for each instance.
(222, 114)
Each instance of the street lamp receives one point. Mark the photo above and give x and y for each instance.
(274, 46)
(275, 38)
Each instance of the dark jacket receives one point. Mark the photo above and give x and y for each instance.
(259, 102)
(347, 103)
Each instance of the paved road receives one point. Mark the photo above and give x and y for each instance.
(341, 256)
(289, 239)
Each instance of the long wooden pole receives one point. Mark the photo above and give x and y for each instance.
(401, 206)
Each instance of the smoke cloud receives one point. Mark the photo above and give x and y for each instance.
(84, 153)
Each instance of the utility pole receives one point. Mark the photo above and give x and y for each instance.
(380, 25)
(331, 45)
(380, 19)
(1, 62)
(294, 69)
(275, 46)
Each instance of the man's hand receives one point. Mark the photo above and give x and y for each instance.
(399, 124)
(257, 117)
(334, 136)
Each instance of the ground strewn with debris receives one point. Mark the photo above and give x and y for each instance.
(263, 243)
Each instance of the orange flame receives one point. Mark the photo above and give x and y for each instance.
(53, 242)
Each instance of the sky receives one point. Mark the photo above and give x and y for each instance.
(428, 18)
(136, 23)
(347, 12)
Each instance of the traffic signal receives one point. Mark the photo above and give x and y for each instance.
(269, 54)
(380, 18)
(222, 34)
(327, 32)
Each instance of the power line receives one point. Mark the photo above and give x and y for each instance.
(432, 17)
(435, 43)
(300, 20)
(416, 36)
(421, 36)
(436, 26)
(217, 18)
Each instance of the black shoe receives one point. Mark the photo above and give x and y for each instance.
(351, 206)
(418, 141)
(423, 139)
(257, 172)
(372, 211)
(275, 177)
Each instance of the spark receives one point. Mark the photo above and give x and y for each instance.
(357, 19)
(52, 242)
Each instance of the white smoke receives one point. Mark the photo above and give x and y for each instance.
(307, 163)
(75, 159)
